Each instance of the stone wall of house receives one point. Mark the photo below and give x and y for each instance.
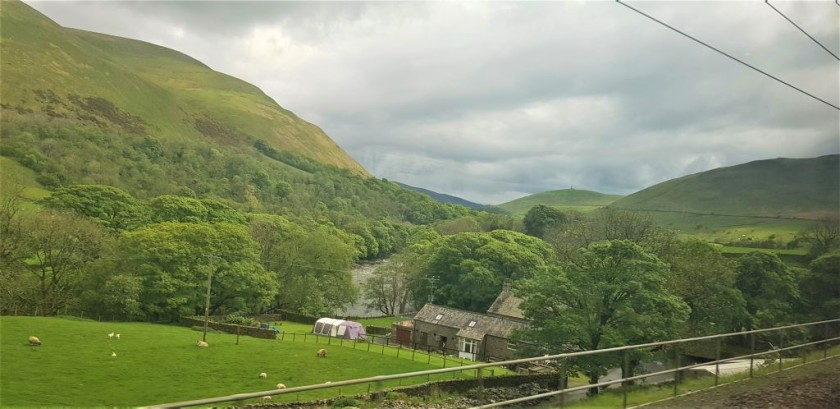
(428, 336)
(496, 349)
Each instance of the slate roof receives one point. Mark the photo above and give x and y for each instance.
(506, 305)
(459, 319)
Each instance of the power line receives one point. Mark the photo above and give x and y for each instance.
(803, 31)
(731, 57)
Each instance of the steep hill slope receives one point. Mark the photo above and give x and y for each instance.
(776, 188)
(574, 199)
(55, 76)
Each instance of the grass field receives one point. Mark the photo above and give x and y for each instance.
(156, 364)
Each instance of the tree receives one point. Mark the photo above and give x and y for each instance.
(471, 267)
(168, 208)
(388, 287)
(311, 264)
(174, 260)
(540, 218)
(616, 295)
(705, 279)
(821, 287)
(822, 237)
(769, 288)
(115, 209)
(62, 247)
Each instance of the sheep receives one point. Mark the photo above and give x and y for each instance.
(202, 344)
(117, 336)
(114, 354)
(111, 336)
(322, 353)
(281, 386)
(266, 399)
(34, 341)
(263, 375)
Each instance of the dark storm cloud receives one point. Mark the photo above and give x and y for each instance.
(491, 101)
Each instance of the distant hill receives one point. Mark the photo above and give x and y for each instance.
(444, 198)
(774, 188)
(573, 199)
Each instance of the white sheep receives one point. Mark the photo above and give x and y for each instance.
(117, 336)
(263, 375)
(34, 341)
(266, 399)
(111, 336)
(114, 354)
(202, 344)
(281, 386)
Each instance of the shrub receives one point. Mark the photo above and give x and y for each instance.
(238, 318)
(346, 401)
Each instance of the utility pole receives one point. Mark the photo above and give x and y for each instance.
(207, 301)
(432, 281)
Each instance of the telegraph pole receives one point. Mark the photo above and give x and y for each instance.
(207, 301)
(432, 281)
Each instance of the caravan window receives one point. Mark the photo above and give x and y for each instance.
(341, 330)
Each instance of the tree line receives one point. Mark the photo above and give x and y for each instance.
(612, 278)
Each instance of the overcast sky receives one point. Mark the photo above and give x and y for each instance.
(491, 101)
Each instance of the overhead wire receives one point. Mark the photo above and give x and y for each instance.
(731, 57)
(803, 31)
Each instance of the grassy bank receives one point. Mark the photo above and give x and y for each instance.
(160, 363)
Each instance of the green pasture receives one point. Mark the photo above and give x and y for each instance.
(157, 364)
(725, 229)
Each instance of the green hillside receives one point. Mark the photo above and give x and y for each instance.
(775, 188)
(573, 199)
(775, 198)
(88, 82)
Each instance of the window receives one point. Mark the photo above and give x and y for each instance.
(439, 316)
(471, 324)
(468, 345)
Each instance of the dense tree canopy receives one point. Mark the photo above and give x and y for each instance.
(174, 260)
(616, 295)
(470, 268)
(769, 288)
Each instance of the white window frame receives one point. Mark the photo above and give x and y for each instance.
(468, 345)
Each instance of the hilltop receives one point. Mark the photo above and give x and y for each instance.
(571, 199)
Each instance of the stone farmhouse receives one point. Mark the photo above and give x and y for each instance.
(471, 335)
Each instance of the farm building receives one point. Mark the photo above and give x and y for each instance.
(469, 335)
(339, 328)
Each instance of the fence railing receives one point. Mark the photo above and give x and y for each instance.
(562, 360)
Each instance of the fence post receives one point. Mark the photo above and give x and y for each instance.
(444, 359)
(370, 342)
(480, 383)
(781, 345)
(399, 348)
(625, 383)
(677, 372)
(752, 352)
(717, 361)
(562, 370)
